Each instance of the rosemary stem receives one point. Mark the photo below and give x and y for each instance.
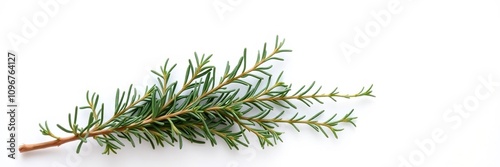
(57, 142)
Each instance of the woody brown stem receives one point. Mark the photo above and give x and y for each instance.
(58, 142)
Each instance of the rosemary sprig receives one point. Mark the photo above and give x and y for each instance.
(202, 108)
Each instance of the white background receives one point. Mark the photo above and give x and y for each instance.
(423, 62)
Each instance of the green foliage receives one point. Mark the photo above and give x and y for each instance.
(205, 107)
